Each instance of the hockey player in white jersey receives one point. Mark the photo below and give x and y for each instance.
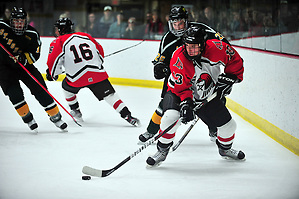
(81, 58)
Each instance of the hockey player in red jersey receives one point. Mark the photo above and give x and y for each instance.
(23, 41)
(195, 75)
(81, 58)
(178, 22)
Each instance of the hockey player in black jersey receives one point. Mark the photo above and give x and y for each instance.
(171, 40)
(23, 42)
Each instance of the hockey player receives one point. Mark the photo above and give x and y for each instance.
(23, 41)
(195, 75)
(81, 57)
(178, 22)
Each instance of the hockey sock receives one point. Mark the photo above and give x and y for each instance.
(226, 133)
(154, 125)
(53, 110)
(114, 101)
(22, 108)
(71, 99)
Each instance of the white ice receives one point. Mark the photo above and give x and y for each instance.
(48, 165)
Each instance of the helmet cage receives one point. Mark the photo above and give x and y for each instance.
(195, 35)
(178, 13)
(179, 32)
(18, 21)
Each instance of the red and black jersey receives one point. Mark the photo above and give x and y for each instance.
(197, 79)
(80, 56)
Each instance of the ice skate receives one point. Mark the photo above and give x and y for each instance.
(213, 135)
(132, 120)
(145, 137)
(33, 125)
(232, 154)
(159, 156)
(76, 113)
(56, 119)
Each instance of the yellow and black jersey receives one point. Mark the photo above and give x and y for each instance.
(29, 43)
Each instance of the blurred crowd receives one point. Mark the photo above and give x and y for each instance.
(233, 24)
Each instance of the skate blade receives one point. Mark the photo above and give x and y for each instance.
(153, 166)
(232, 159)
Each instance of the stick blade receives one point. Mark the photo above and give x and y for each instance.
(91, 171)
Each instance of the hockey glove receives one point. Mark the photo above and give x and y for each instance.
(225, 84)
(49, 77)
(21, 58)
(186, 112)
(160, 70)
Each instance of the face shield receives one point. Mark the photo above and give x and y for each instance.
(177, 26)
(18, 25)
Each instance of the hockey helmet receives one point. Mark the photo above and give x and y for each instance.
(18, 20)
(195, 35)
(64, 26)
(178, 14)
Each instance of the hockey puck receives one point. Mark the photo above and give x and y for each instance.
(86, 177)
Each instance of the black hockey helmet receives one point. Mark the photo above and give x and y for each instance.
(195, 35)
(64, 26)
(178, 13)
(18, 20)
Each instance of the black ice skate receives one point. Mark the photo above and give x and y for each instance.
(33, 125)
(145, 137)
(213, 135)
(76, 113)
(160, 155)
(228, 153)
(132, 120)
(56, 119)
(232, 154)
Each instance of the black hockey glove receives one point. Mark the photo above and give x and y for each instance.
(186, 112)
(225, 84)
(49, 77)
(160, 70)
(22, 59)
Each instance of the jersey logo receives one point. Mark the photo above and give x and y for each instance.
(178, 64)
(230, 52)
(218, 44)
(204, 84)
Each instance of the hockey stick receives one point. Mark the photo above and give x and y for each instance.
(185, 134)
(194, 122)
(17, 61)
(104, 173)
(124, 49)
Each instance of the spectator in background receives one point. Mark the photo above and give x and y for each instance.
(209, 17)
(154, 27)
(133, 31)
(237, 25)
(6, 15)
(106, 20)
(166, 27)
(118, 28)
(91, 27)
(29, 21)
(223, 24)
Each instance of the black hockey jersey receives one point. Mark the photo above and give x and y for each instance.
(29, 43)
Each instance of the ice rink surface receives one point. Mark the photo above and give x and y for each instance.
(48, 165)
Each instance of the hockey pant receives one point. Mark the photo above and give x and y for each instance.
(12, 88)
(102, 90)
(215, 111)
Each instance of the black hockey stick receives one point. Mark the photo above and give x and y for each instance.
(16, 60)
(104, 173)
(194, 122)
(124, 49)
(185, 135)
